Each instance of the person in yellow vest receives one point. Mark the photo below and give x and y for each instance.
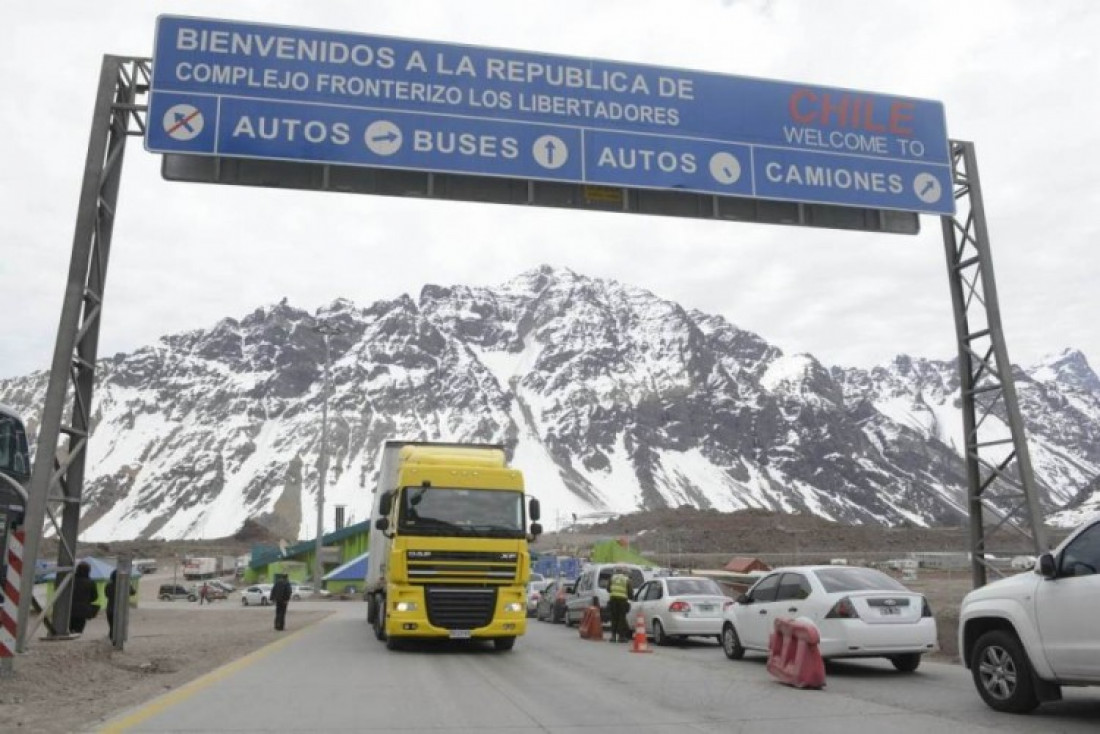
(619, 604)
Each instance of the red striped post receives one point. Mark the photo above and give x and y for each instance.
(9, 612)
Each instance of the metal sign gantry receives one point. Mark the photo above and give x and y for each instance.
(57, 479)
(1000, 482)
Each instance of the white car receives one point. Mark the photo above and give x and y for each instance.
(1026, 636)
(257, 595)
(679, 607)
(305, 591)
(859, 612)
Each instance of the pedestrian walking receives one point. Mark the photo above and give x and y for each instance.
(620, 592)
(280, 595)
(85, 596)
(203, 591)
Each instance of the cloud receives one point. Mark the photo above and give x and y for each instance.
(1013, 75)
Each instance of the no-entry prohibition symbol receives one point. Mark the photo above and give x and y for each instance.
(183, 122)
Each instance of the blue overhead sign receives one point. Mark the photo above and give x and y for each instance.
(250, 90)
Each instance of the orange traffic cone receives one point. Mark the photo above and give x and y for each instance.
(591, 627)
(639, 643)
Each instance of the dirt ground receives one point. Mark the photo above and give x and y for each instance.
(66, 686)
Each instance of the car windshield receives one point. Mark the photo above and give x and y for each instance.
(685, 587)
(485, 513)
(857, 579)
(636, 577)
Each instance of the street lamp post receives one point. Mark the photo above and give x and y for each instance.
(325, 330)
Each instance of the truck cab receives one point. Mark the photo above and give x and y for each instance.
(449, 557)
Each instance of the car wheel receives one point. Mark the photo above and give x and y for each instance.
(906, 663)
(659, 636)
(1002, 673)
(165, 597)
(192, 597)
(568, 621)
(731, 643)
(244, 601)
(297, 597)
(263, 601)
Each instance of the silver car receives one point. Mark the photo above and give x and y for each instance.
(679, 607)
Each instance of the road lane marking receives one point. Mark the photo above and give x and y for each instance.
(187, 690)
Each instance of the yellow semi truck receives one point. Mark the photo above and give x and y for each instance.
(448, 545)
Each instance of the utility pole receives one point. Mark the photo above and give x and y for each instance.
(325, 330)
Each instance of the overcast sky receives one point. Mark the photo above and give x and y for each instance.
(1018, 77)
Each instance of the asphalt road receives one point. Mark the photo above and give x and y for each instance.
(335, 677)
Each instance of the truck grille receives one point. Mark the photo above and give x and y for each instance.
(458, 608)
(428, 566)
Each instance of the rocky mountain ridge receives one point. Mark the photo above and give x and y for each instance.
(610, 398)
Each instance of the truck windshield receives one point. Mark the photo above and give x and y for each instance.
(13, 448)
(484, 513)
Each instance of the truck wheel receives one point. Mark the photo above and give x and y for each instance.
(380, 618)
(504, 644)
(906, 663)
(1002, 673)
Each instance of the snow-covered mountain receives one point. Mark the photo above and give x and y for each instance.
(608, 397)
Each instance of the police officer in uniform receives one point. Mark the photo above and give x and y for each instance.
(620, 593)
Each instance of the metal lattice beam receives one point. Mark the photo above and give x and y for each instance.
(1001, 491)
(57, 479)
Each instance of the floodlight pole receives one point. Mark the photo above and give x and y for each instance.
(325, 330)
(999, 477)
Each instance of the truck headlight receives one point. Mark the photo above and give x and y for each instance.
(405, 606)
(513, 606)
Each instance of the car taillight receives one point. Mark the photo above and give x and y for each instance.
(925, 608)
(727, 605)
(843, 609)
(679, 606)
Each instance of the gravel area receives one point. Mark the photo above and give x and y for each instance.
(73, 685)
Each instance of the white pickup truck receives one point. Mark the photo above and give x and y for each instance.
(1026, 636)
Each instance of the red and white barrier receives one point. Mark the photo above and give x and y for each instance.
(9, 612)
(793, 655)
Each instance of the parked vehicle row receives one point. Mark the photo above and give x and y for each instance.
(1023, 637)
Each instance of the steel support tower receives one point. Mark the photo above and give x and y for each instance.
(1001, 493)
(57, 479)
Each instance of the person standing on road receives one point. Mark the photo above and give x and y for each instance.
(280, 595)
(203, 591)
(619, 604)
(85, 595)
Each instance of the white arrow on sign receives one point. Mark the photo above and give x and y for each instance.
(383, 137)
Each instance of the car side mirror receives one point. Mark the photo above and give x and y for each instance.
(744, 599)
(1047, 567)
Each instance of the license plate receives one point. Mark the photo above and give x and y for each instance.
(460, 634)
(887, 611)
(706, 607)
